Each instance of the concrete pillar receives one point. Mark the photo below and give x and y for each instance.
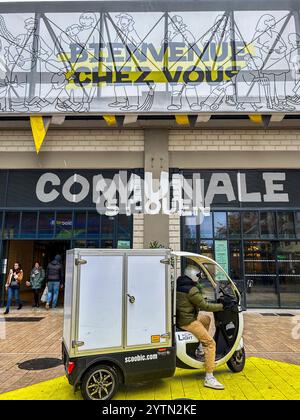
(156, 160)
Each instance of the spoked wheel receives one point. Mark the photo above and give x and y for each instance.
(237, 362)
(99, 383)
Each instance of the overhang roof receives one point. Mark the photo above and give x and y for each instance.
(142, 5)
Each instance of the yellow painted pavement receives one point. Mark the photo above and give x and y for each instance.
(261, 379)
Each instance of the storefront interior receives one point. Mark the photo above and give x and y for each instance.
(33, 236)
(263, 252)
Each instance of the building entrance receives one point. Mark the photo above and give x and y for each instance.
(27, 252)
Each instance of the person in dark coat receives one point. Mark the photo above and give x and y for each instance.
(54, 279)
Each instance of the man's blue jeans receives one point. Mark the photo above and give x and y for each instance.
(53, 291)
(13, 293)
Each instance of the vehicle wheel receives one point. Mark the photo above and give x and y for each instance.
(237, 362)
(101, 382)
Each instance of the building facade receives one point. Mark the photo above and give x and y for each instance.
(249, 173)
(261, 239)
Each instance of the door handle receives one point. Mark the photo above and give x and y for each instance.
(131, 298)
(166, 335)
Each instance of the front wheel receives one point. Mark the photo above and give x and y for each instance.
(101, 382)
(237, 362)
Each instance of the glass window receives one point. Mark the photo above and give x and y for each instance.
(297, 223)
(107, 243)
(260, 257)
(63, 225)
(92, 244)
(11, 225)
(85, 244)
(220, 224)
(46, 225)
(235, 260)
(124, 227)
(79, 244)
(267, 224)
(190, 245)
(250, 224)
(206, 229)
(234, 224)
(28, 224)
(289, 273)
(260, 273)
(107, 227)
(207, 248)
(1, 219)
(190, 228)
(286, 228)
(79, 230)
(93, 225)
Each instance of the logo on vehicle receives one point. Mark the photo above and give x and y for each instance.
(185, 336)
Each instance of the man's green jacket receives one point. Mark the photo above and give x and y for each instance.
(189, 301)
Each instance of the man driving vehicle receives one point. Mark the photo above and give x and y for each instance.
(189, 301)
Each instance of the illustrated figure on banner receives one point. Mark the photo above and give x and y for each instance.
(83, 34)
(251, 87)
(126, 98)
(23, 54)
(224, 92)
(62, 98)
(274, 54)
(179, 33)
(294, 59)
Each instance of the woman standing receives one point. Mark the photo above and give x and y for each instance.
(12, 286)
(37, 277)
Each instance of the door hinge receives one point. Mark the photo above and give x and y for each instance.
(166, 335)
(77, 344)
(80, 261)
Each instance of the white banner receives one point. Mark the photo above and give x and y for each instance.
(150, 62)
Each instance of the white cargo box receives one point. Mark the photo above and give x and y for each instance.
(116, 300)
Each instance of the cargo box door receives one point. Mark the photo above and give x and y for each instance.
(68, 292)
(147, 301)
(100, 303)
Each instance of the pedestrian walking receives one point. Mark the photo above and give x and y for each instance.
(37, 277)
(54, 279)
(13, 282)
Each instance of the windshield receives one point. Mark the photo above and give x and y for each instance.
(216, 273)
(224, 285)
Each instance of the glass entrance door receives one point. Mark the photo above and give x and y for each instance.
(261, 274)
(288, 262)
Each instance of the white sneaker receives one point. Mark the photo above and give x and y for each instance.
(213, 383)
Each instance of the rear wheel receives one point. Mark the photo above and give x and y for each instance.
(101, 382)
(237, 362)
